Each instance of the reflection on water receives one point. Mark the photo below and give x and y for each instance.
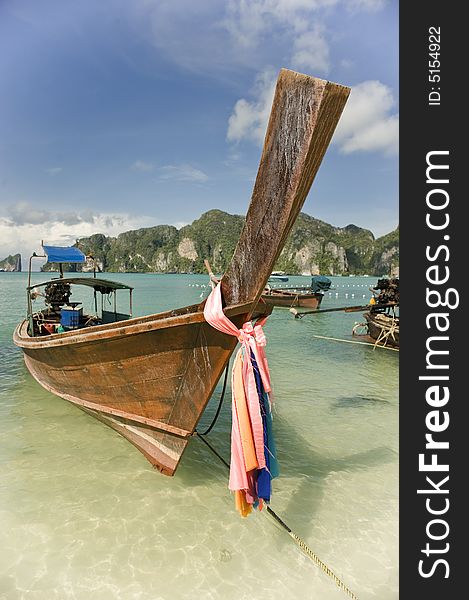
(85, 516)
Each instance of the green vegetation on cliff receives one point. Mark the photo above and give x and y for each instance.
(312, 247)
(11, 263)
(386, 253)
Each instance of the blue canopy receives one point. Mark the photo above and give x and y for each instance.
(57, 254)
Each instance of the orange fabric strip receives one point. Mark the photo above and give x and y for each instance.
(247, 442)
(243, 507)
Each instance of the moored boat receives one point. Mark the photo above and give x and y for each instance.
(150, 378)
(382, 318)
(299, 297)
(292, 298)
(134, 374)
(383, 328)
(278, 276)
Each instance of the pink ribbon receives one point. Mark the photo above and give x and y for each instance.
(251, 338)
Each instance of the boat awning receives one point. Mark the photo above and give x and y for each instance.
(104, 286)
(58, 254)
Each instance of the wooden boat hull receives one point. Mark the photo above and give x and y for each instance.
(149, 379)
(290, 299)
(383, 328)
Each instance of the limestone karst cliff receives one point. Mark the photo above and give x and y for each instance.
(11, 263)
(312, 247)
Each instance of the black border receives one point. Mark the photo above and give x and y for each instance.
(424, 128)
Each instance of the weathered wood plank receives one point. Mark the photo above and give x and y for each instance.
(305, 112)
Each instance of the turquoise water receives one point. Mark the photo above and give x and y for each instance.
(84, 516)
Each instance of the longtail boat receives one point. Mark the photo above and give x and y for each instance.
(383, 328)
(298, 297)
(278, 276)
(382, 320)
(382, 317)
(150, 378)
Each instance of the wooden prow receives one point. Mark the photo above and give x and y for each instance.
(213, 280)
(304, 115)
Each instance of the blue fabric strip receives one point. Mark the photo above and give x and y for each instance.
(264, 476)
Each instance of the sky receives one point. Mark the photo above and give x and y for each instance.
(117, 114)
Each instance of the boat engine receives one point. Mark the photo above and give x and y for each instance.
(320, 284)
(388, 291)
(57, 294)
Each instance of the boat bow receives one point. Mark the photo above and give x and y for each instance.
(150, 378)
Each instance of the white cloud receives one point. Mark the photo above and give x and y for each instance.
(249, 118)
(366, 5)
(295, 22)
(311, 50)
(142, 166)
(23, 227)
(182, 173)
(54, 170)
(249, 22)
(368, 123)
(346, 63)
(25, 213)
(217, 38)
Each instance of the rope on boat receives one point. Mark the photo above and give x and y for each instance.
(323, 337)
(300, 543)
(313, 556)
(363, 326)
(386, 331)
(215, 418)
(295, 300)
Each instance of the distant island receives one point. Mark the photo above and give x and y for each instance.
(312, 247)
(11, 263)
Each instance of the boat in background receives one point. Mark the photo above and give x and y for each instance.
(150, 378)
(278, 276)
(382, 318)
(383, 328)
(299, 297)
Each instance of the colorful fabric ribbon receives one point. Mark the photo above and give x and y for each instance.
(253, 456)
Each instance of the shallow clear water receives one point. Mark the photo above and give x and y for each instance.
(84, 515)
